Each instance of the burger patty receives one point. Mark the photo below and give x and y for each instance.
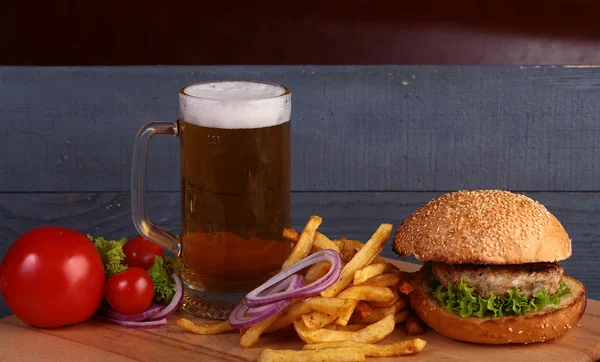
(499, 279)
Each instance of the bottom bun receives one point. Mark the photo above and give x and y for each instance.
(534, 327)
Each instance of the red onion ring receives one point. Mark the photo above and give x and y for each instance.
(152, 310)
(278, 287)
(175, 302)
(130, 324)
(257, 297)
(243, 316)
(288, 283)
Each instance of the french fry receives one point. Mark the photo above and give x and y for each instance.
(362, 310)
(348, 327)
(377, 314)
(316, 271)
(401, 316)
(370, 271)
(348, 254)
(368, 293)
(348, 354)
(402, 302)
(355, 244)
(405, 288)
(414, 325)
(253, 333)
(288, 317)
(339, 243)
(383, 280)
(332, 306)
(370, 334)
(305, 242)
(360, 260)
(321, 242)
(343, 318)
(290, 235)
(373, 350)
(380, 304)
(205, 329)
(316, 320)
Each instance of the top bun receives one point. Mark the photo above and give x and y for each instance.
(483, 227)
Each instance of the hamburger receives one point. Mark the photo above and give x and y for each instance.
(491, 272)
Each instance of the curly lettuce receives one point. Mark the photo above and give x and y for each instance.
(460, 300)
(164, 288)
(112, 254)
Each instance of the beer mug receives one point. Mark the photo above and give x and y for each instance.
(235, 190)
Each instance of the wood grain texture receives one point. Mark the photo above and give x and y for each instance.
(350, 214)
(108, 342)
(354, 128)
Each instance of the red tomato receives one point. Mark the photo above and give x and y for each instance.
(130, 292)
(52, 276)
(140, 251)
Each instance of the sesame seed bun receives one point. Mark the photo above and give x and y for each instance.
(534, 327)
(483, 227)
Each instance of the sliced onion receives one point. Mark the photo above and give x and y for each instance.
(130, 324)
(279, 286)
(290, 283)
(175, 302)
(152, 310)
(244, 316)
(259, 296)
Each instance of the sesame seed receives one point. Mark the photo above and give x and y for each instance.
(510, 329)
(520, 332)
(490, 225)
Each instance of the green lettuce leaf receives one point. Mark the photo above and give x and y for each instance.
(164, 288)
(460, 300)
(112, 254)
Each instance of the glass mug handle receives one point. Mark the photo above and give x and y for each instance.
(138, 186)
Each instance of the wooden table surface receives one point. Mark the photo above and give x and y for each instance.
(96, 341)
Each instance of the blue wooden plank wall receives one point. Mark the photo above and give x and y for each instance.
(370, 144)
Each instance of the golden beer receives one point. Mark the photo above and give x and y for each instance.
(235, 190)
(235, 199)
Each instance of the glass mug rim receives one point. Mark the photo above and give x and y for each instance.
(286, 91)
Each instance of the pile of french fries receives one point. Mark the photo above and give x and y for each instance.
(346, 320)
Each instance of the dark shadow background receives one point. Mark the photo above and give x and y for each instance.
(149, 32)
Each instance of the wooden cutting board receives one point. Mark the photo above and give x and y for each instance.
(95, 341)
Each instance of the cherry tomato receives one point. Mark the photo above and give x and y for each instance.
(52, 276)
(140, 251)
(130, 292)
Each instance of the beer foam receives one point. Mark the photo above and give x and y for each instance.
(235, 105)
